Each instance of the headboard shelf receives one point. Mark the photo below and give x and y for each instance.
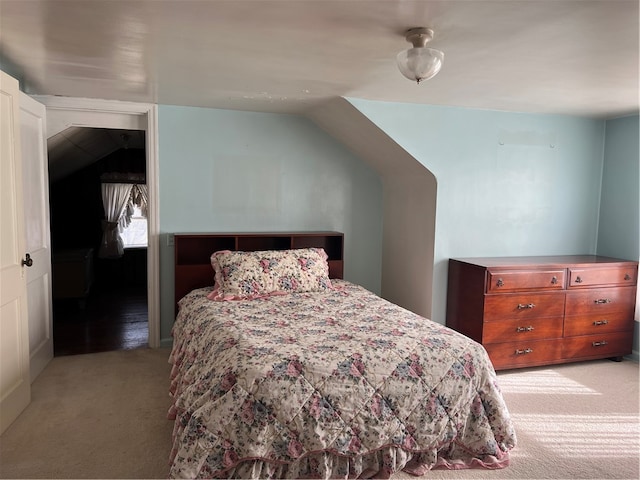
(248, 243)
(193, 252)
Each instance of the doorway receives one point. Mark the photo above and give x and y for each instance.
(64, 112)
(99, 302)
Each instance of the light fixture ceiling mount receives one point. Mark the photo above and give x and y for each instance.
(420, 63)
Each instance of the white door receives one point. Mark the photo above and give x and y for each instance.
(15, 381)
(35, 175)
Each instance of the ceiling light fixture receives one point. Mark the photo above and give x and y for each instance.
(420, 63)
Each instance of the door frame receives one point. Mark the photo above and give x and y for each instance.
(64, 112)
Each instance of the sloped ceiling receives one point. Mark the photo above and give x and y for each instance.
(570, 57)
(79, 147)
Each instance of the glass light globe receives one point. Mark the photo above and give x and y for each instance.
(420, 63)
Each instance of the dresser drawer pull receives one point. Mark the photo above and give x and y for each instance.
(627, 276)
(499, 283)
(602, 300)
(554, 280)
(528, 305)
(524, 329)
(601, 322)
(578, 280)
(599, 344)
(524, 352)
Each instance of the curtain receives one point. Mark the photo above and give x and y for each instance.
(140, 197)
(116, 199)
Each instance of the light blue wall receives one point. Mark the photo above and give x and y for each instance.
(508, 184)
(231, 171)
(619, 230)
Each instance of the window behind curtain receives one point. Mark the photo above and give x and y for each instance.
(135, 235)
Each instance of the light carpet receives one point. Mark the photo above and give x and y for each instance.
(104, 416)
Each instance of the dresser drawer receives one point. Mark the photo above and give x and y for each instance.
(597, 323)
(592, 346)
(499, 281)
(519, 306)
(602, 301)
(625, 275)
(517, 330)
(524, 353)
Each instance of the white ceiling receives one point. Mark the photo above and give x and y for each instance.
(576, 57)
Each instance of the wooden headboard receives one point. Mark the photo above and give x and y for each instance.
(193, 252)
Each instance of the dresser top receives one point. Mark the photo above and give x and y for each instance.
(550, 261)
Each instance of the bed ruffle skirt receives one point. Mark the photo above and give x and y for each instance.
(379, 464)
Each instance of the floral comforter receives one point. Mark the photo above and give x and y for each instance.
(328, 385)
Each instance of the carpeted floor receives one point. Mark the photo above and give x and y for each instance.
(103, 415)
(99, 415)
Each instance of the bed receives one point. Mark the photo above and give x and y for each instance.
(282, 369)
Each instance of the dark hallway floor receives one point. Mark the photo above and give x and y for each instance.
(106, 320)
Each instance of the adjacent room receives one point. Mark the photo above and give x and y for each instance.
(99, 292)
(320, 239)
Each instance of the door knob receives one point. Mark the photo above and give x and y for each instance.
(28, 261)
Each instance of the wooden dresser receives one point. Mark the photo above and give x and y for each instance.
(530, 311)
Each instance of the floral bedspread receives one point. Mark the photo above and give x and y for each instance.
(341, 384)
